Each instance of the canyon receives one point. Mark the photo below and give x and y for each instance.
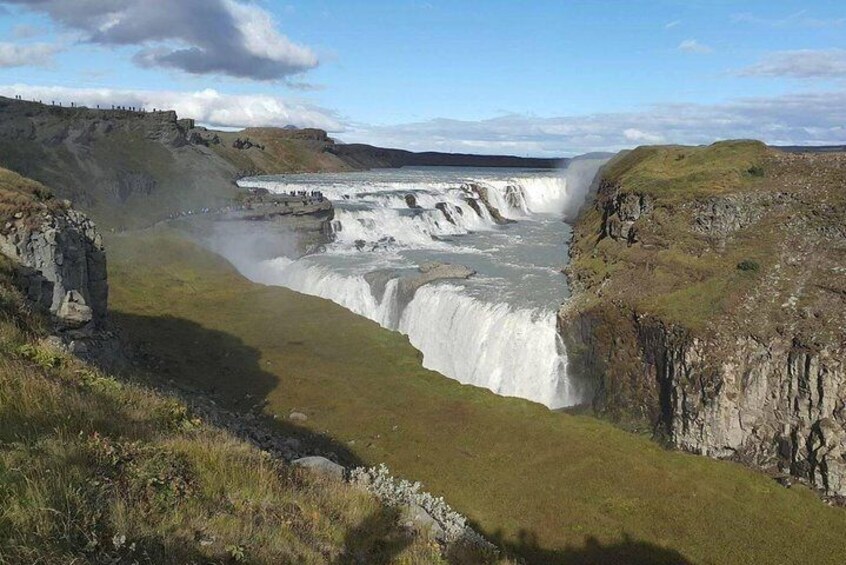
(702, 303)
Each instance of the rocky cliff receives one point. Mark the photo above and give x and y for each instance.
(710, 303)
(58, 256)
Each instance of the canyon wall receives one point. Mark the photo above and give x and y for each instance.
(709, 300)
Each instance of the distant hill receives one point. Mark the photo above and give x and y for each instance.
(128, 169)
(812, 148)
(368, 156)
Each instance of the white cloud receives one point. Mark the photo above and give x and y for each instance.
(672, 24)
(813, 118)
(28, 54)
(639, 136)
(206, 106)
(797, 19)
(808, 119)
(263, 40)
(693, 46)
(230, 37)
(803, 63)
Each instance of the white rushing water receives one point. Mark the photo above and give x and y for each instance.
(495, 330)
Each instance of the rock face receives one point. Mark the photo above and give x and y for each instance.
(621, 213)
(480, 193)
(62, 266)
(715, 316)
(778, 406)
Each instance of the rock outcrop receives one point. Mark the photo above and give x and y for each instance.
(62, 266)
(408, 282)
(622, 211)
(479, 193)
(448, 211)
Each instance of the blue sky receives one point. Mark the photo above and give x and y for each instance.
(545, 78)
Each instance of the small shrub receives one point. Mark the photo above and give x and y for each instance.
(237, 552)
(756, 171)
(41, 356)
(748, 266)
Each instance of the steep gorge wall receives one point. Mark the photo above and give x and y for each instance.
(756, 374)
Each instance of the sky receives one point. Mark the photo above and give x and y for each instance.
(540, 78)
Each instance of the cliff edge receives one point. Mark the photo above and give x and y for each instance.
(710, 303)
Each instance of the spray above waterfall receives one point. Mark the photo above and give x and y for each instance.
(496, 329)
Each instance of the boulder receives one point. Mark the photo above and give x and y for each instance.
(422, 521)
(411, 201)
(73, 312)
(322, 466)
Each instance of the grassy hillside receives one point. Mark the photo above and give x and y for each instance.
(723, 241)
(94, 469)
(22, 195)
(556, 488)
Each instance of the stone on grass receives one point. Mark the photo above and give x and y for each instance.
(322, 466)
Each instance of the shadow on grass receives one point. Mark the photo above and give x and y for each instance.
(224, 368)
(218, 365)
(376, 540)
(628, 551)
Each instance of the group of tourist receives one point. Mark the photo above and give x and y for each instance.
(139, 109)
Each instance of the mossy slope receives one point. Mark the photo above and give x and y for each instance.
(94, 469)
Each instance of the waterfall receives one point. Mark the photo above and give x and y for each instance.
(472, 332)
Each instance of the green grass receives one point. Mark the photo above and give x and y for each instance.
(676, 173)
(553, 487)
(20, 194)
(674, 271)
(97, 470)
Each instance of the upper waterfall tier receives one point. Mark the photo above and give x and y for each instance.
(496, 329)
